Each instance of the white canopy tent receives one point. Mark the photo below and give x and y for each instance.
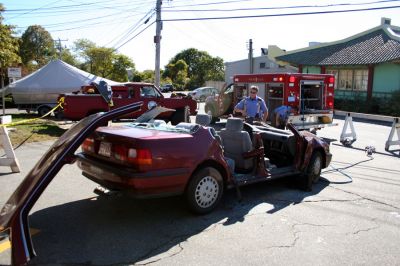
(47, 83)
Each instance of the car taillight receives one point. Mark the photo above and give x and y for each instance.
(131, 155)
(139, 156)
(88, 145)
(292, 79)
(330, 104)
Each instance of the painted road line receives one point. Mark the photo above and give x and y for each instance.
(7, 244)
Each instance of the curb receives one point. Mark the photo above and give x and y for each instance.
(378, 118)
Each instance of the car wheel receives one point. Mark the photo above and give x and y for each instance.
(202, 98)
(205, 190)
(43, 110)
(313, 171)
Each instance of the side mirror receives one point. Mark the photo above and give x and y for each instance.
(151, 105)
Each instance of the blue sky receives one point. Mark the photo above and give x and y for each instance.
(114, 23)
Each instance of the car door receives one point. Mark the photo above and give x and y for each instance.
(14, 214)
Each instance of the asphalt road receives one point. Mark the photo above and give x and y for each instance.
(352, 217)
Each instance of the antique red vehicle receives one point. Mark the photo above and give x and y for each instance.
(153, 159)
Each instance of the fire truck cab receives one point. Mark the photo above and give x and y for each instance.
(310, 96)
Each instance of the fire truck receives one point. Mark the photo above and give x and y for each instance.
(310, 96)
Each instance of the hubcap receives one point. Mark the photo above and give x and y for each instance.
(206, 192)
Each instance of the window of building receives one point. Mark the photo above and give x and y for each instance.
(360, 79)
(262, 65)
(345, 80)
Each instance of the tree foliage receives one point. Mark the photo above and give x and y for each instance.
(200, 67)
(8, 47)
(103, 61)
(177, 72)
(37, 46)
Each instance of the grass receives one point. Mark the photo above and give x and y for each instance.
(33, 131)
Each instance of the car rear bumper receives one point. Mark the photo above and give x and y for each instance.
(140, 185)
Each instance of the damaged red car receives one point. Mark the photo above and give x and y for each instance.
(199, 161)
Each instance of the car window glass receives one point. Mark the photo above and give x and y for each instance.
(148, 91)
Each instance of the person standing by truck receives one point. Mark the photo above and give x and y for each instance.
(280, 116)
(252, 107)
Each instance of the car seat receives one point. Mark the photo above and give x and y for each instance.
(203, 119)
(236, 142)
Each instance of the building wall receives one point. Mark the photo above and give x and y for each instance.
(386, 77)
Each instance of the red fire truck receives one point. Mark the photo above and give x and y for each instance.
(311, 96)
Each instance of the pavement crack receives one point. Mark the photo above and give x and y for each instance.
(363, 230)
(296, 235)
(366, 229)
(152, 251)
(366, 198)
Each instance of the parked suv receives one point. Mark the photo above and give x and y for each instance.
(201, 94)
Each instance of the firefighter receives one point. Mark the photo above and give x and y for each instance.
(280, 116)
(252, 107)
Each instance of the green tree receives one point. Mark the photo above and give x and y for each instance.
(68, 57)
(103, 61)
(201, 66)
(119, 68)
(8, 48)
(37, 46)
(177, 72)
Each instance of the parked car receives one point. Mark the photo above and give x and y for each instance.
(155, 159)
(167, 88)
(201, 94)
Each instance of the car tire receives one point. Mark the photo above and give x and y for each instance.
(313, 171)
(43, 110)
(205, 190)
(180, 115)
(202, 98)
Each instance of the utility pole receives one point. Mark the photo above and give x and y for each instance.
(251, 65)
(157, 41)
(59, 47)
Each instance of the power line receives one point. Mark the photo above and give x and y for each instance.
(132, 29)
(284, 14)
(281, 7)
(130, 39)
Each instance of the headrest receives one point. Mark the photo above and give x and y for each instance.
(234, 124)
(188, 126)
(203, 119)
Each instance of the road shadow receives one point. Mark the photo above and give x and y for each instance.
(121, 230)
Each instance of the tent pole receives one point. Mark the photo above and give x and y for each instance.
(3, 95)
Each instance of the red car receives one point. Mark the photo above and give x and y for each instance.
(153, 159)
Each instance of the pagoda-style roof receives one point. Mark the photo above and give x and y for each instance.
(378, 45)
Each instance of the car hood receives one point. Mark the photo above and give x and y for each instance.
(14, 214)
